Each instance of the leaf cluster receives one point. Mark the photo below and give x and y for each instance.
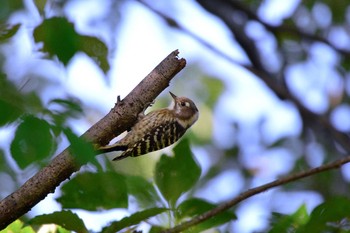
(173, 178)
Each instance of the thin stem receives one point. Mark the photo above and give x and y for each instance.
(251, 192)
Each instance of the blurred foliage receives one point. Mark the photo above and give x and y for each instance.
(67, 219)
(170, 197)
(289, 223)
(14, 103)
(330, 216)
(195, 206)
(40, 5)
(60, 39)
(108, 190)
(82, 150)
(133, 219)
(33, 141)
(144, 191)
(7, 33)
(8, 7)
(176, 175)
(18, 226)
(95, 191)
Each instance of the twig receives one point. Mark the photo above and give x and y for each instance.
(251, 192)
(257, 68)
(224, 10)
(121, 117)
(283, 28)
(173, 23)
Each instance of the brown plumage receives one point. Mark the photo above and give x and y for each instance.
(157, 129)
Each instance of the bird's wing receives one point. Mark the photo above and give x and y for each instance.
(160, 137)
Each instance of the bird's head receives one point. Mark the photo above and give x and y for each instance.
(185, 110)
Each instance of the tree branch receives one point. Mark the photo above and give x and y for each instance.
(173, 23)
(225, 10)
(121, 117)
(283, 28)
(257, 68)
(251, 192)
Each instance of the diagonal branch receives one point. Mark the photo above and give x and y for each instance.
(121, 117)
(225, 11)
(283, 28)
(251, 192)
(173, 23)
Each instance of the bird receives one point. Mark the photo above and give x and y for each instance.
(157, 129)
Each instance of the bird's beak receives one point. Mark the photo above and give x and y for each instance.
(172, 95)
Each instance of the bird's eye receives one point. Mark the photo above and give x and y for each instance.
(184, 104)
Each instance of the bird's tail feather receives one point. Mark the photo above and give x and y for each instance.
(122, 156)
(110, 148)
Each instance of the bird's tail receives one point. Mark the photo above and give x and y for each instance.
(122, 156)
(116, 147)
(110, 148)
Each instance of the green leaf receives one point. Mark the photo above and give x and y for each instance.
(93, 191)
(7, 31)
(143, 191)
(40, 5)
(289, 223)
(11, 112)
(16, 226)
(327, 216)
(82, 150)
(134, 219)
(95, 49)
(33, 141)
(61, 39)
(176, 175)
(70, 106)
(64, 218)
(11, 101)
(194, 207)
(60, 110)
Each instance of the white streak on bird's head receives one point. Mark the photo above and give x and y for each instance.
(185, 110)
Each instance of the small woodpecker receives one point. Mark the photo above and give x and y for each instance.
(157, 130)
